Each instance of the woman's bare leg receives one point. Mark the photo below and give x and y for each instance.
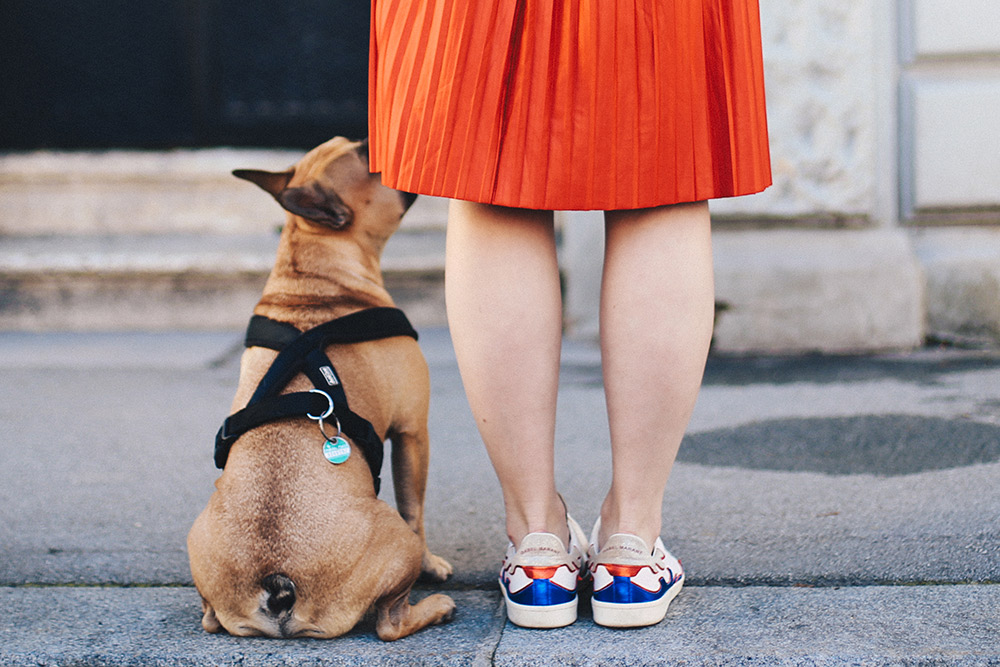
(505, 315)
(657, 309)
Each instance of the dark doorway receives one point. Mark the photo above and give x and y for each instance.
(92, 74)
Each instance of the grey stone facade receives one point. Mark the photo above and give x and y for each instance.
(882, 228)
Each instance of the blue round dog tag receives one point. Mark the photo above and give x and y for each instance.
(337, 450)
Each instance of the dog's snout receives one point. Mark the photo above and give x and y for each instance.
(362, 148)
(408, 199)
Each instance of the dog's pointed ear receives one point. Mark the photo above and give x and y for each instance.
(316, 205)
(272, 182)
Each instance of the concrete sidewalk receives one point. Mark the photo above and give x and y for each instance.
(827, 510)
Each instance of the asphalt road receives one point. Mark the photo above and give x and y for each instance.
(826, 510)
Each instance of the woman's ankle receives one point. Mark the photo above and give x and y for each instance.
(522, 521)
(643, 523)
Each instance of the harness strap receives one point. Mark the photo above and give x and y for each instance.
(304, 353)
(265, 332)
(364, 325)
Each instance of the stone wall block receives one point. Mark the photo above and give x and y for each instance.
(821, 115)
(963, 283)
(817, 291)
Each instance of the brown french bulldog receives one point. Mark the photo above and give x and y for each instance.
(291, 545)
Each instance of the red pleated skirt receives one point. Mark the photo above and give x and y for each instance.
(568, 104)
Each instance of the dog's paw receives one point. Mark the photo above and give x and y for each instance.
(446, 608)
(400, 619)
(435, 568)
(209, 621)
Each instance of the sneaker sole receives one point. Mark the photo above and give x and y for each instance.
(635, 614)
(537, 616)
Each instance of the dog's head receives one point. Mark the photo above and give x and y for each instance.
(331, 187)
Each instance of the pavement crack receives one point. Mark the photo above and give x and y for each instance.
(501, 623)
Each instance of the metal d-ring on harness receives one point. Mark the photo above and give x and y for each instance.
(300, 352)
(319, 418)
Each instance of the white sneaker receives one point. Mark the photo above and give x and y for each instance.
(539, 579)
(633, 584)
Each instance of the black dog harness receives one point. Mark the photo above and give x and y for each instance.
(300, 352)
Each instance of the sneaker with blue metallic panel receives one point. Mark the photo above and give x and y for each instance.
(539, 578)
(633, 584)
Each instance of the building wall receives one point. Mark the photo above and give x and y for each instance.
(950, 129)
(826, 71)
(881, 228)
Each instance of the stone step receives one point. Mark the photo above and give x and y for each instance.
(137, 240)
(133, 192)
(154, 240)
(776, 290)
(192, 281)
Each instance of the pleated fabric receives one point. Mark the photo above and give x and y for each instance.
(568, 104)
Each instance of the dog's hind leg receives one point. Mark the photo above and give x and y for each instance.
(395, 616)
(398, 618)
(410, 453)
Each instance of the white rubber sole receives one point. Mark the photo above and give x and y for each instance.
(534, 616)
(636, 614)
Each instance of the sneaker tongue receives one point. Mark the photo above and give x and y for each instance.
(541, 546)
(624, 549)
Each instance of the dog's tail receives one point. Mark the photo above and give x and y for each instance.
(279, 595)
